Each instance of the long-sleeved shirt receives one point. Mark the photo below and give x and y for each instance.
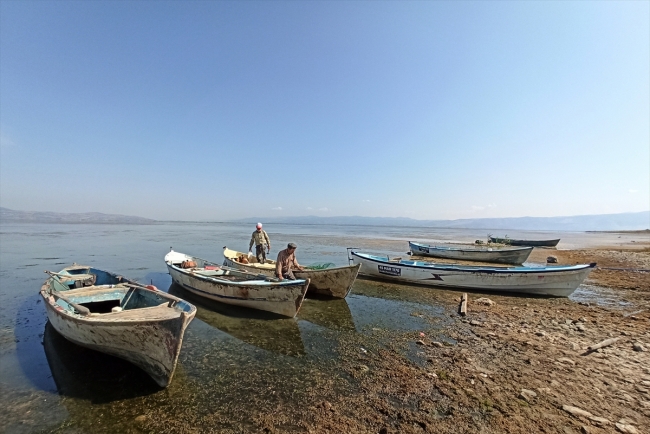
(285, 262)
(259, 238)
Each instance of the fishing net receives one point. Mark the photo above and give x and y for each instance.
(319, 266)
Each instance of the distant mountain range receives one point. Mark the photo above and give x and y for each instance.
(10, 215)
(598, 222)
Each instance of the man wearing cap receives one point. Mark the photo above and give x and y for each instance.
(285, 262)
(260, 238)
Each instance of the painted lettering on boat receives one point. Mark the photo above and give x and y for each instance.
(391, 271)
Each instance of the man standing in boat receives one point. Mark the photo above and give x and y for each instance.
(285, 263)
(260, 239)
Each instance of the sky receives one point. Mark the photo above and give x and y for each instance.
(224, 110)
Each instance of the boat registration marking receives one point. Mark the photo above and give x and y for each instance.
(391, 271)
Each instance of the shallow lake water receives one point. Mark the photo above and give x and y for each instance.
(232, 360)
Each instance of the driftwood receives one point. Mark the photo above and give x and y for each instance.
(463, 305)
(603, 344)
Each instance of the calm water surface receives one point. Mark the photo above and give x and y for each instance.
(230, 357)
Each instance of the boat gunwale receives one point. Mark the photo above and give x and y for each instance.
(480, 249)
(98, 319)
(214, 279)
(253, 265)
(478, 268)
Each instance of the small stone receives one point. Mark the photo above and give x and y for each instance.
(420, 342)
(625, 428)
(566, 360)
(141, 418)
(327, 405)
(551, 260)
(575, 411)
(568, 321)
(575, 346)
(543, 389)
(432, 375)
(474, 323)
(600, 421)
(581, 327)
(485, 301)
(540, 333)
(585, 430)
(363, 368)
(638, 347)
(627, 397)
(527, 395)
(437, 344)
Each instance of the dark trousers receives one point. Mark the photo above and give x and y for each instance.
(288, 275)
(260, 253)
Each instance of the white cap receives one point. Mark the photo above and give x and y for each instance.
(259, 225)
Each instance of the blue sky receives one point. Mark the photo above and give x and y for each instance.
(431, 110)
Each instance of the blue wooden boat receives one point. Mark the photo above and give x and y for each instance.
(117, 316)
(506, 255)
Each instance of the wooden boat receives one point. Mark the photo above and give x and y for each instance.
(333, 282)
(108, 313)
(530, 243)
(508, 255)
(237, 287)
(558, 281)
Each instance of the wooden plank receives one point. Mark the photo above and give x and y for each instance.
(463, 305)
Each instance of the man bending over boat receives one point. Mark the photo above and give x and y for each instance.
(260, 239)
(285, 263)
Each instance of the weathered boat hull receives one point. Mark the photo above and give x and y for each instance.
(282, 298)
(150, 338)
(515, 256)
(332, 282)
(558, 281)
(529, 243)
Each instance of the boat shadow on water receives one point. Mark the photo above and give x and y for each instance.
(90, 375)
(265, 330)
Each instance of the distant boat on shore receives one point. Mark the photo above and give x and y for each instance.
(505, 255)
(530, 243)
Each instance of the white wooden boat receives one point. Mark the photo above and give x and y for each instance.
(558, 281)
(230, 286)
(108, 313)
(333, 282)
(506, 255)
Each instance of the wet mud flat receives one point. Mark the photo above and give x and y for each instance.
(389, 359)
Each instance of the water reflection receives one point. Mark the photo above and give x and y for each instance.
(261, 329)
(99, 378)
(333, 314)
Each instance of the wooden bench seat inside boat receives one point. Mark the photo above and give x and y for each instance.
(104, 299)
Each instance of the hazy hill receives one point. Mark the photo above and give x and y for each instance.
(598, 222)
(9, 215)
